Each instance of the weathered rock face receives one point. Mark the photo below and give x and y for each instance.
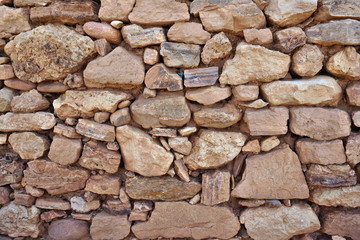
(31, 101)
(218, 47)
(105, 226)
(320, 123)
(245, 92)
(102, 31)
(141, 153)
(138, 37)
(14, 20)
(191, 32)
(26, 121)
(19, 221)
(263, 179)
(288, 39)
(115, 10)
(345, 64)
(307, 61)
(6, 72)
(71, 229)
(10, 166)
(94, 130)
(103, 184)
(215, 187)
(353, 149)
(333, 9)
(279, 223)
(29, 145)
(182, 220)
(346, 32)
(258, 36)
(65, 151)
(352, 92)
(29, 52)
(161, 77)
(54, 178)
(168, 109)
(201, 77)
(212, 149)
(208, 95)
(254, 63)
(180, 54)
(126, 70)
(161, 188)
(337, 197)
(6, 96)
(320, 90)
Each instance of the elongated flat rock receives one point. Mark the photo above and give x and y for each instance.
(319, 90)
(180, 55)
(13, 122)
(208, 95)
(98, 131)
(201, 77)
(337, 197)
(138, 37)
(338, 9)
(182, 220)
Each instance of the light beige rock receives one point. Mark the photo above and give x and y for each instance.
(101, 117)
(167, 109)
(37, 43)
(356, 118)
(320, 152)
(215, 187)
(263, 179)
(105, 226)
(345, 64)
(258, 36)
(141, 153)
(39, 121)
(29, 145)
(269, 143)
(252, 146)
(159, 12)
(320, 123)
(180, 55)
(102, 46)
(120, 117)
(149, 93)
(188, 32)
(78, 204)
(66, 131)
(353, 149)
(182, 220)
(151, 56)
(200, 77)
(118, 69)
(181, 145)
(254, 63)
(186, 131)
(163, 132)
(31, 3)
(212, 149)
(19, 84)
(245, 92)
(6, 72)
(52, 203)
(279, 223)
(115, 10)
(352, 92)
(102, 30)
(259, 103)
(286, 13)
(319, 90)
(288, 39)
(208, 95)
(14, 20)
(336, 197)
(331, 9)
(138, 37)
(97, 131)
(307, 61)
(52, 87)
(31, 101)
(161, 77)
(6, 96)
(3, 138)
(103, 184)
(218, 47)
(65, 151)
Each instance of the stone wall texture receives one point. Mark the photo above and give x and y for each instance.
(180, 119)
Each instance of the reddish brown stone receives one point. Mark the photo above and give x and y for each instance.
(4, 195)
(103, 184)
(215, 187)
(24, 199)
(52, 203)
(52, 214)
(65, 151)
(70, 229)
(106, 226)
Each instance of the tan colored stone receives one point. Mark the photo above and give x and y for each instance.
(151, 56)
(135, 216)
(336, 197)
(6, 72)
(245, 92)
(166, 109)
(33, 191)
(163, 132)
(159, 12)
(31, 3)
(141, 153)
(52, 87)
(201, 77)
(14, 20)
(103, 184)
(286, 40)
(102, 30)
(188, 32)
(345, 64)
(29, 145)
(263, 179)
(101, 117)
(217, 116)
(319, 90)
(105, 226)
(259, 103)
(52, 203)
(181, 145)
(252, 146)
(31, 101)
(115, 10)
(250, 203)
(138, 37)
(287, 13)
(3, 138)
(254, 63)
(66, 131)
(29, 52)
(23, 199)
(218, 47)
(180, 55)
(38, 121)
(161, 77)
(347, 33)
(182, 220)
(118, 69)
(4, 195)
(320, 152)
(332, 9)
(352, 92)
(70, 229)
(103, 47)
(186, 131)
(307, 61)
(19, 84)
(149, 93)
(280, 223)
(54, 178)
(78, 204)
(208, 95)
(258, 36)
(353, 149)
(320, 123)
(97, 131)
(81, 216)
(269, 143)
(181, 170)
(6, 96)
(11, 166)
(212, 149)
(215, 187)
(4, 60)
(356, 118)
(120, 117)
(65, 151)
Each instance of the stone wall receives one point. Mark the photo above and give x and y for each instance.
(203, 119)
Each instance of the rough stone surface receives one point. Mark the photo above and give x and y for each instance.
(138, 37)
(188, 32)
(180, 54)
(105, 226)
(80, 205)
(29, 145)
(52, 87)
(6, 96)
(288, 39)
(120, 117)
(161, 77)
(258, 36)
(52, 203)
(218, 47)
(31, 101)
(345, 64)
(14, 20)
(245, 92)
(337, 197)
(264, 179)
(352, 92)
(208, 95)
(307, 61)
(182, 220)
(201, 77)
(19, 84)
(151, 56)
(71, 229)
(65, 151)
(10, 166)
(97, 131)
(335, 9)
(102, 30)
(66, 131)
(180, 144)
(6, 72)
(353, 149)
(103, 184)
(115, 10)
(279, 223)
(356, 118)
(254, 63)
(215, 187)
(29, 53)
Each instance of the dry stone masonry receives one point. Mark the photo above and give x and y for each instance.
(180, 119)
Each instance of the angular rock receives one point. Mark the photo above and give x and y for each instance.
(19, 84)
(163, 132)
(181, 170)
(320, 123)
(23, 199)
(252, 146)
(335, 9)
(6, 72)
(269, 143)
(103, 47)
(78, 204)
(71, 229)
(320, 152)
(182, 220)
(29, 145)
(65, 151)
(267, 122)
(118, 69)
(52, 203)
(212, 149)
(19, 221)
(218, 47)
(180, 55)
(4, 195)
(97, 131)
(115, 10)
(29, 53)
(11, 167)
(356, 118)
(353, 149)
(258, 36)
(319, 90)
(161, 77)
(279, 223)
(151, 56)
(167, 109)
(188, 32)
(105, 226)
(181, 145)
(217, 116)
(200, 77)
(66, 131)
(307, 61)
(286, 13)
(345, 64)
(208, 95)
(120, 117)
(159, 12)
(54, 178)
(6, 96)
(138, 37)
(336, 197)
(161, 188)
(103, 184)
(254, 63)
(263, 179)
(215, 187)
(347, 33)
(245, 92)
(352, 93)
(288, 39)
(14, 20)
(31, 101)
(102, 30)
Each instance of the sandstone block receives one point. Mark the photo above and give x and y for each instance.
(337, 197)
(307, 61)
(288, 39)
(66, 131)
(151, 56)
(218, 47)
(78, 204)
(345, 64)
(103, 47)
(215, 187)
(65, 151)
(29, 145)
(52, 87)
(31, 3)
(71, 229)
(258, 36)
(115, 10)
(180, 55)
(356, 118)
(245, 92)
(52, 203)
(161, 77)
(97, 131)
(105, 226)
(200, 77)
(138, 37)
(31, 101)
(103, 184)
(102, 30)
(208, 95)
(14, 20)
(180, 144)
(188, 32)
